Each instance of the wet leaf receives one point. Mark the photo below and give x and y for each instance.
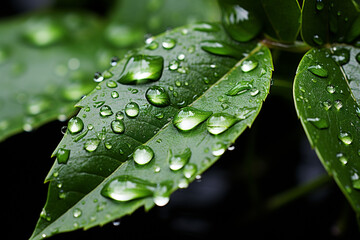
(329, 112)
(154, 147)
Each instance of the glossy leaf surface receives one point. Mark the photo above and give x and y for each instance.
(155, 150)
(329, 113)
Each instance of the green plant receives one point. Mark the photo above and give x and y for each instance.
(163, 113)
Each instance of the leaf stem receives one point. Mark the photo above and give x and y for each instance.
(297, 46)
(295, 193)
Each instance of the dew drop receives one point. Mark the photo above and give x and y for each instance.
(341, 55)
(338, 104)
(106, 111)
(318, 71)
(125, 188)
(77, 213)
(132, 109)
(178, 161)
(218, 149)
(75, 125)
(62, 155)
(240, 88)
(190, 170)
(345, 137)
(168, 43)
(143, 154)
(174, 65)
(142, 69)
(114, 94)
(330, 89)
(220, 122)
(157, 96)
(114, 60)
(91, 144)
(248, 65)
(319, 123)
(117, 126)
(188, 118)
(342, 158)
(98, 77)
(162, 194)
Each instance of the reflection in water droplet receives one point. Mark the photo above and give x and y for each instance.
(162, 194)
(188, 118)
(143, 154)
(330, 89)
(141, 69)
(178, 161)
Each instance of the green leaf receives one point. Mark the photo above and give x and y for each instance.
(329, 21)
(329, 113)
(47, 61)
(145, 149)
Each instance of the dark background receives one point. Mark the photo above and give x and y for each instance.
(271, 157)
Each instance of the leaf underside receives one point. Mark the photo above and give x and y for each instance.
(46, 66)
(200, 80)
(329, 113)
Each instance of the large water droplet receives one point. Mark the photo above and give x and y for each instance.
(91, 144)
(62, 155)
(220, 122)
(106, 111)
(318, 70)
(178, 161)
(188, 118)
(126, 188)
(248, 65)
(132, 109)
(168, 43)
(220, 48)
(118, 126)
(319, 123)
(75, 125)
(141, 69)
(240, 88)
(157, 96)
(143, 154)
(162, 194)
(345, 137)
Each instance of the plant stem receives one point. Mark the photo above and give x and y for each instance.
(297, 46)
(295, 193)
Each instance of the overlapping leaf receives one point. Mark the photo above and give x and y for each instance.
(200, 76)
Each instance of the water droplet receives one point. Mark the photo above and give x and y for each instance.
(111, 84)
(114, 94)
(338, 104)
(91, 144)
(218, 149)
(341, 55)
(119, 115)
(220, 122)
(206, 27)
(162, 194)
(126, 188)
(174, 65)
(190, 170)
(181, 57)
(98, 77)
(320, 5)
(188, 118)
(75, 125)
(318, 40)
(157, 96)
(43, 32)
(152, 45)
(319, 123)
(330, 89)
(168, 43)
(178, 161)
(345, 137)
(221, 48)
(132, 109)
(45, 215)
(141, 69)
(118, 126)
(143, 154)
(248, 65)
(355, 181)
(240, 88)
(327, 105)
(106, 111)
(77, 213)
(114, 60)
(342, 158)
(318, 70)
(62, 155)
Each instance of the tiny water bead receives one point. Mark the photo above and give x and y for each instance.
(162, 193)
(318, 70)
(143, 154)
(106, 111)
(355, 181)
(248, 65)
(188, 118)
(62, 155)
(178, 161)
(330, 89)
(119, 115)
(75, 125)
(114, 60)
(319, 123)
(132, 109)
(157, 96)
(126, 188)
(220, 122)
(338, 104)
(111, 84)
(142, 69)
(345, 137)
(77, 213)
(98, 77)
(117, 126)
(91, 144)
(342, 158)
(168, 43)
